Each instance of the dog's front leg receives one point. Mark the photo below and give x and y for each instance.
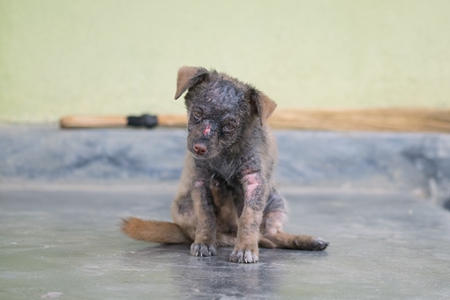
(205, 234)
(255, 191)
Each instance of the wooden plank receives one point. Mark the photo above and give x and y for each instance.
(402, 120)
(397, 120)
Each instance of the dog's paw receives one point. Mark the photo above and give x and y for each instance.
(319, 244)
(244, 256)
(198, 249)
(314, 244)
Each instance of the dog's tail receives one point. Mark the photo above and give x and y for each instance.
(154, 231)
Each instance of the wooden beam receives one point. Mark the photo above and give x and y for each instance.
(398, 120)
(401, 120)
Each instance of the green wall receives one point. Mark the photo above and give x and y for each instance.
(61, 57)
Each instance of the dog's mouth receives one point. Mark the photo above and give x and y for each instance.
(196, 156)
(205, 156)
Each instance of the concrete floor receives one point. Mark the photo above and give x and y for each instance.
(377, 198)
(63, 241)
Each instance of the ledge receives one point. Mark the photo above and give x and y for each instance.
(416, 163)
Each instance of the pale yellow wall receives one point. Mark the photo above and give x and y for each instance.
(62, 57)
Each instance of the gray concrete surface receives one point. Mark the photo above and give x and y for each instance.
(378, 198)
(65, 239)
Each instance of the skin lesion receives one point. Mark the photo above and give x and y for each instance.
(252, 184)
(255, 188)
(199, 183)
(246, 248)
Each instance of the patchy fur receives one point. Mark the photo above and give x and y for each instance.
(226, 196)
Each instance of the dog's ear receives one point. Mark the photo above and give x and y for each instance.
(261, 104)
(189, 77)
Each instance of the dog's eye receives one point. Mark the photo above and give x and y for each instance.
(198, 113)
(228, 128)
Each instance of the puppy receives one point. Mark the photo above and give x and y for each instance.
(226, 196)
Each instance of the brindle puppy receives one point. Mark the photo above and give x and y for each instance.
(226, 196)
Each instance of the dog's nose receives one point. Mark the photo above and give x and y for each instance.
(200, 149)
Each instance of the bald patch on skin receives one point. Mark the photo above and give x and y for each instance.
(199, 183)
(252, 184)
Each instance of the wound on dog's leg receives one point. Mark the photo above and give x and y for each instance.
(199, 184)
(255, 190)
(246, 248)
(252, 184)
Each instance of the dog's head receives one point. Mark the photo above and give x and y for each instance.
(221, 110)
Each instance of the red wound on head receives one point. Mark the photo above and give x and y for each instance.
(207, 130)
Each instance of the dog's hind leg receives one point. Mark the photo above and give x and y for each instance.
(272, 229)
(226, 239)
